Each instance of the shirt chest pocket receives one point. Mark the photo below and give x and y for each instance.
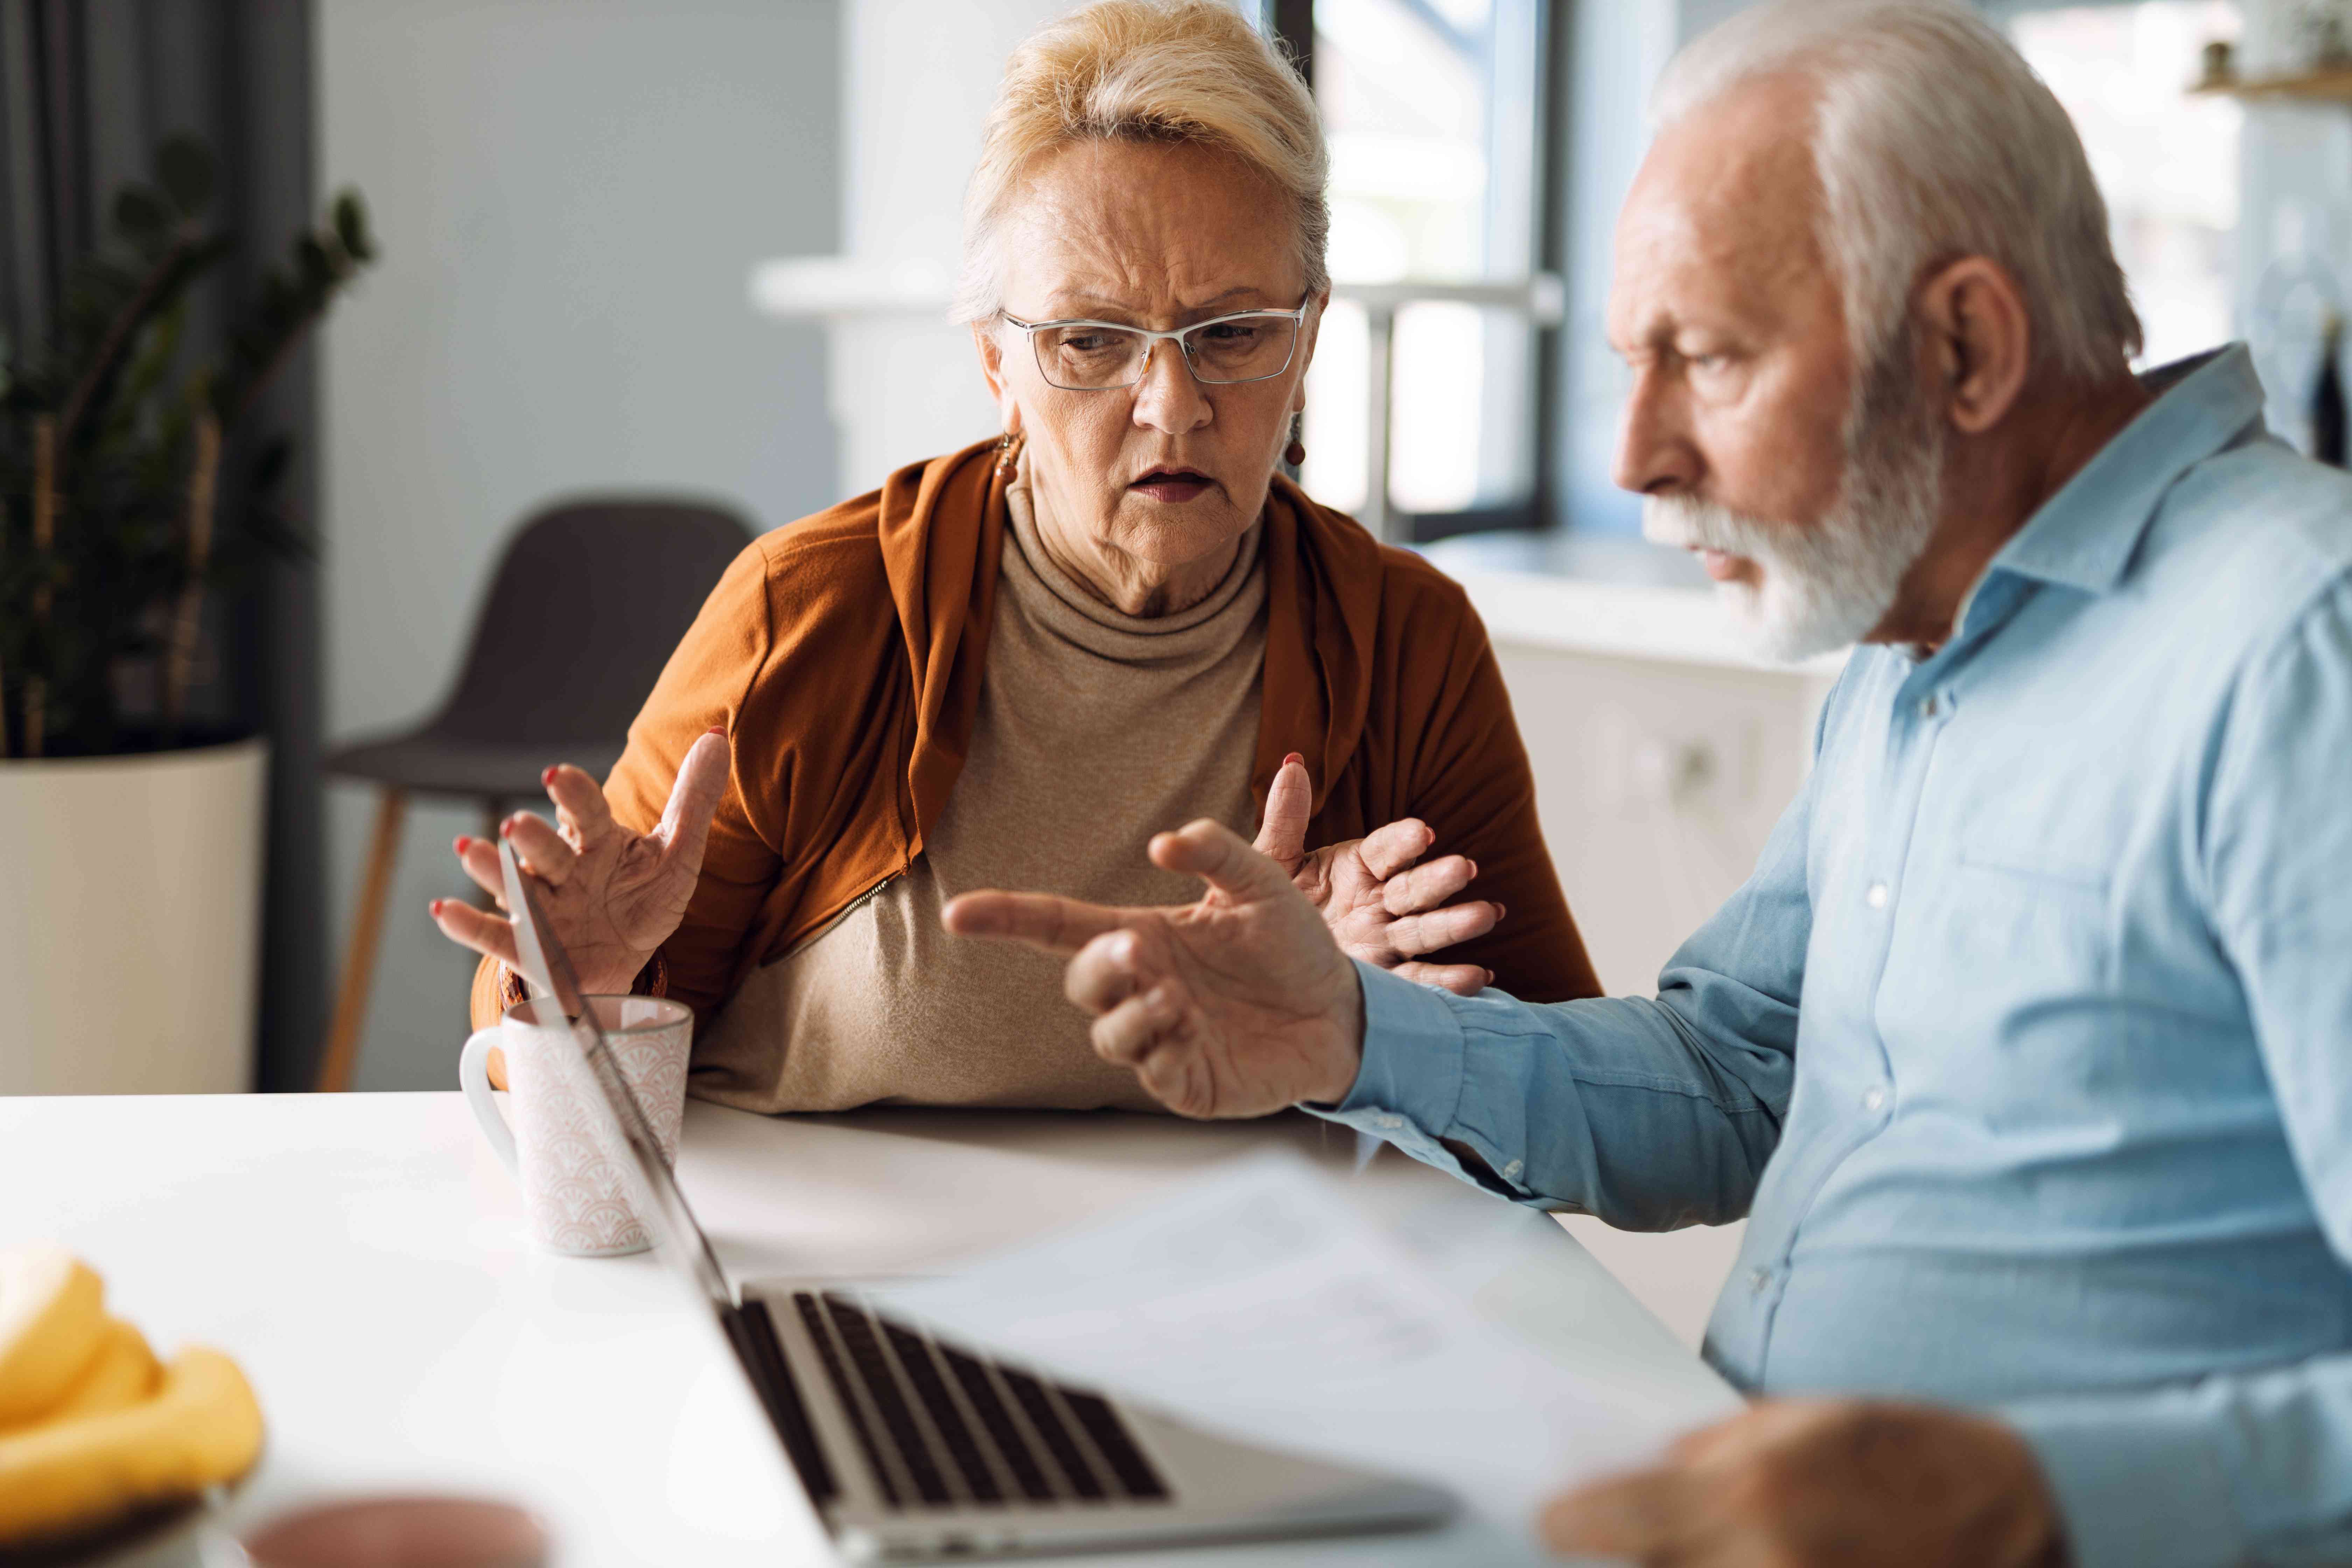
(2030, 923)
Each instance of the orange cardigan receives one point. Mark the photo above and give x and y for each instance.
(843, 655)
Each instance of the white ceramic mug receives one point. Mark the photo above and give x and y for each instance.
(573, 1193)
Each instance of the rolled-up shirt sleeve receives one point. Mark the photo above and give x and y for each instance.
(2252, 1467)
(1651, 1112)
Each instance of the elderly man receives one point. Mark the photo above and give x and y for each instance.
(2026, 1051)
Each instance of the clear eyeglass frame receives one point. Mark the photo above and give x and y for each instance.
(1183, 337)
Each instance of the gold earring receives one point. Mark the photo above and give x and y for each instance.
(1008, 457)
(1296, 453)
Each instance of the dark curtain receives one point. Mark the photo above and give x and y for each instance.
(88, 88)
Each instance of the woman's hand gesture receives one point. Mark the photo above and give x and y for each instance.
(612, 895)
(1380, 906)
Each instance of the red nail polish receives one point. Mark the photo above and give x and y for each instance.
(436, 908)
(464, 843)
(1294, 757)
(548, 777)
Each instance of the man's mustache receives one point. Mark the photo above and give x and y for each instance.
(1685, 523)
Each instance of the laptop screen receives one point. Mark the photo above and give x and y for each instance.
(618, 1125)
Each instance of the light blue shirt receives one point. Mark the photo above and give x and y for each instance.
(2027, 1051)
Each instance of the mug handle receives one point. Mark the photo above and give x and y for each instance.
(474, 1077)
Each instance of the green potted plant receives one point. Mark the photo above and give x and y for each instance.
(130, 835)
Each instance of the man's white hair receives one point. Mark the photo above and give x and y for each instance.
(1933, 140)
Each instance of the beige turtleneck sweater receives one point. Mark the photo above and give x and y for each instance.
(1096, 730)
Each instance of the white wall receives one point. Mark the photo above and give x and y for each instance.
(569, 194)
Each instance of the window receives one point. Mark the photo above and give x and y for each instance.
(2165, 162)
(1448, 230)
(1434, 111)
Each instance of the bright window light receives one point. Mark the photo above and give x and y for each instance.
(2165, 162)
(1425, 103)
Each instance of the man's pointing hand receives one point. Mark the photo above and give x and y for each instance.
(1236, 1005)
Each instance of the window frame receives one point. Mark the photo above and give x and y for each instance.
(1535, 297)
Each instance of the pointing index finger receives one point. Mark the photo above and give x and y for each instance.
(1040, 919)
(1215, 852)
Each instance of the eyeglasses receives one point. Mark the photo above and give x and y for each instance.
(1100, 356)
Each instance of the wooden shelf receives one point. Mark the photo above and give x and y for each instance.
(2333, 85)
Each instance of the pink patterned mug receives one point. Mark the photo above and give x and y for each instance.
(571, 1193)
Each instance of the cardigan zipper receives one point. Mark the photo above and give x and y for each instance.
(847, 909)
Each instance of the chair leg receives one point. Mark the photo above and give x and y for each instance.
(341, 1054)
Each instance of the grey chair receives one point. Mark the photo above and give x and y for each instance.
(589, 600)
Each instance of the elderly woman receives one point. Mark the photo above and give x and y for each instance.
(1012, 664)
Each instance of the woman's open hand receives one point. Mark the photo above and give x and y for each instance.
(1381, 906)
(613, 896)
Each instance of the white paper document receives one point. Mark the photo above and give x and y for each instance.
(1270, 1302)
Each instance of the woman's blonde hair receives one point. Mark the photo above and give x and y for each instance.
(1146, 70)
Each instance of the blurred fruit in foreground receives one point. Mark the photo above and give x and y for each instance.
(121, 1371)
(52, 1312)
(91, 1429)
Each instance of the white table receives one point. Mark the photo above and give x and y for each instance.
(364, 1258)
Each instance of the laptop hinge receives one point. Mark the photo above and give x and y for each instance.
(753, 1334)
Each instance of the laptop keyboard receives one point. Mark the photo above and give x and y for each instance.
(940, 1428)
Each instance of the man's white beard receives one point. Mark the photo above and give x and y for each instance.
(1826, 584)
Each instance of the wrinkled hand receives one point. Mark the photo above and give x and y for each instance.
(1380, 906)
(1236, 1005)
(613, 896)
(1810, 1483)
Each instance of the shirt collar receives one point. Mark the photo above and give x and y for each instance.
(2084, 535)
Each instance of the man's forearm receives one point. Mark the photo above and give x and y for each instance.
(1607, 1105)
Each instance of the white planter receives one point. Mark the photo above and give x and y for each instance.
(131, 922)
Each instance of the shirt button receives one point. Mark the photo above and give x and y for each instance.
(1388, 1120)
(1759, 1282)
(1874, 1100)
(1876, 897)
(1511, 1172)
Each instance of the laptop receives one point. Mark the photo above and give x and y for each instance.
(914, 1449)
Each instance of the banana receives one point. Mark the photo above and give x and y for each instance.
(201, 1427)
(123, 1372)
(52, 1316)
